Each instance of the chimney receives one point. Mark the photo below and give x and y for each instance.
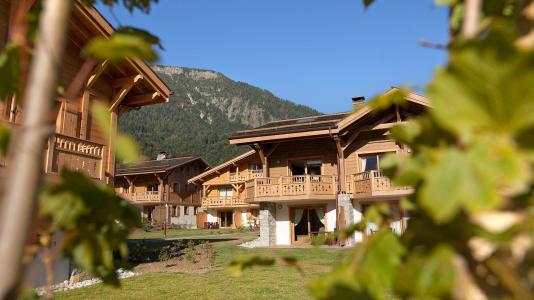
(161, 156)
(357, 102)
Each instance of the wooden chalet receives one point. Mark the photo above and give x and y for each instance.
(321, 173)
(160, 189)
(223, 192)
(78, 143)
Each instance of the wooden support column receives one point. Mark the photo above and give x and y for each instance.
(130, 184)
(341, 164)
(50, 154)
(263, 158)
(111, 144)
(86, 99)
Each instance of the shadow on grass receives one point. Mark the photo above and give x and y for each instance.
(158, 249)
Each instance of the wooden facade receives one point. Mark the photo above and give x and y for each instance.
(160, 189)
(78, 143)
(223, 192)
(312, 160)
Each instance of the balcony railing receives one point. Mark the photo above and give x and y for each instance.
(245, 175)
(291, 187)
(374, 183)
(69, 152)
(76, 154)
(223, 202)
(149, 196)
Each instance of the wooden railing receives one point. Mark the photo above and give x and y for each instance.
(69, 152)
(76, 154)
(291, 186)
(222, 202)
(373, 183)
(149, 196)
(245, 175)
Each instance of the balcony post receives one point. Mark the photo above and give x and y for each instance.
(372, 180)
(50, 153)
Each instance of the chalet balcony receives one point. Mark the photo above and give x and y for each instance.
(374, 184)
(304, 187)
(69, 152)
(219, 202)
(245, 175)
(143, 197)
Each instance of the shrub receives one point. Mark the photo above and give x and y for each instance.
(190, 252)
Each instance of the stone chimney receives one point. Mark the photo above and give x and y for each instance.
(358, 102)
(161, 156)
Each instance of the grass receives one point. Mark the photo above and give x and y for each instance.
(179, 233)
(258, 283)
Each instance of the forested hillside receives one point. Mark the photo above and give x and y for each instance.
(206, 107)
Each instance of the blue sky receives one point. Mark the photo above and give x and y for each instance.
(315, 52)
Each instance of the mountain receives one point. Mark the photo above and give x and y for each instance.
(204, 110)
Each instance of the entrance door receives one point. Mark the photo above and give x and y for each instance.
(307, 222)
(226, 218)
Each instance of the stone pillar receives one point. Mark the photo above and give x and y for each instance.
(267, 224)
(346, 214)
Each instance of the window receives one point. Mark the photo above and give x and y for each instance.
(370, 162)
(308, 167)
(176, 187)
(226, 192)
(254, 167)
(152, 187)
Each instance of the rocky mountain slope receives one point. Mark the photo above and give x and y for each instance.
(205, 108)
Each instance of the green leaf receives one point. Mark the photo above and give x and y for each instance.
(368, 3)
(95, 221)
(126, 149)
(481, 90)
(120, 46)
(9, 71)
(386, 100)
(5, 135)
(145, 35)
(475, 179)
(427, 276)
(369, 271)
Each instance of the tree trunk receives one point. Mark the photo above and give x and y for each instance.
(25, 169)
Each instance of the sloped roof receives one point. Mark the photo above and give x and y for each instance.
(293, 125)
(156, 166)
(313, 126)
(222, 166)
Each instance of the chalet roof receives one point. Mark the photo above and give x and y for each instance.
(87, 22)
(156, 166)
(293, 125)
(312, 126)
(222, 166)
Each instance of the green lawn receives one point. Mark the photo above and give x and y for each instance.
(179, 233)
(258, 283)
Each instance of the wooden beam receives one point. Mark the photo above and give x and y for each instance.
(100, 68)
(351, 139)
(125, 89)
(143, 98)
(81, 78)
(272, 150)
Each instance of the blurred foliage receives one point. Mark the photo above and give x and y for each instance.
(93, 220)
(126, 150)
(471, 231)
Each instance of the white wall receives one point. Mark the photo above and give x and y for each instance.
(331, 216)
(358, 235)
(212, 215)
(283, 233)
